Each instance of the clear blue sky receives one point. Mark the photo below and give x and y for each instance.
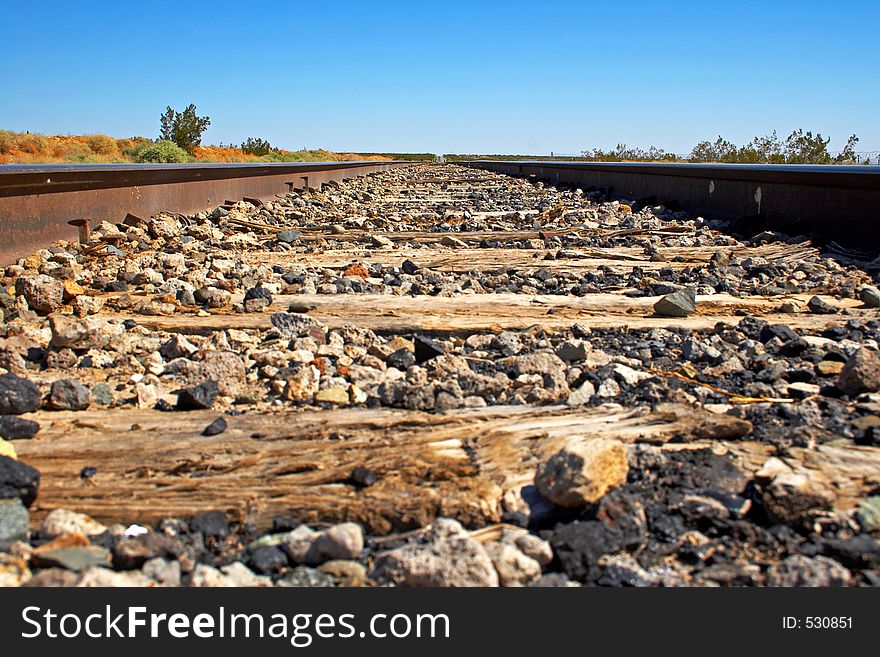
(479, 77)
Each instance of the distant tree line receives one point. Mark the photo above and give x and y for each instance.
(798, 148)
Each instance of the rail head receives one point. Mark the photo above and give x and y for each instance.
(835, 175)
(29, 179)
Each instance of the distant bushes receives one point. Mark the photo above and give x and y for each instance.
(161, 151)
(257, 146)
(798, 148)
(102, 145)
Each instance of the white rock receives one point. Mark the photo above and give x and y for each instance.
(62, 521)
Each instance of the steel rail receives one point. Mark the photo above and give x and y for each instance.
(40, 204)
(825, 202)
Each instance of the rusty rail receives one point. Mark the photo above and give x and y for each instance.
(40, 204)
(840, 203)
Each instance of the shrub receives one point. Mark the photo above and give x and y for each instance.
(161, 151)
(131, 147)
(102, 145)
(183, 128)
(257, 146)
(32, 143)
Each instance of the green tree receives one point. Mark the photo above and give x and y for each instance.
(720, 150)
(848, 154)
(183, 128)
(804, 148)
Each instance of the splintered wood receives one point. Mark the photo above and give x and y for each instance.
(462, 315)
(461, 464)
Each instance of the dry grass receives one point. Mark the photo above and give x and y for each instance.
(33, 148)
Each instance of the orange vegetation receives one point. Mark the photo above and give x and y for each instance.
(32, 148)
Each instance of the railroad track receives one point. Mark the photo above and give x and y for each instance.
(338, 352)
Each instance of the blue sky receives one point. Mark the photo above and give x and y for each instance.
(480, 77)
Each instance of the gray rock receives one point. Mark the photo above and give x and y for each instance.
(163, 571)
(343, 541)
(513, 567)
(14, 519)
(868, 513)
(293, 325)
(582, 471)
(289, 236)
(870, 296)
(799, 570)
(678, 304)
(68, 395)
(582, 395)
(72, 558)
(861, 373)
(381, 242)
(445, 556)
(42, 293)
(102, 394)
(573, 350)
(212, 297)
(18, 395)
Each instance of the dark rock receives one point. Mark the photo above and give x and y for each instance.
(780, 331)
(402, 359)
(18, 395)
(285, 524)
(18, 480)
(216, 427)
(198, 397)
(821, 307)
(68, 395)
(88, 472)
(678, 304)
(363, 477)
(13, 427)
(426, 349)
(859, 552)
(409, 267)
(268, 560)
(210, 523)
(578, 546)
(257, 298)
